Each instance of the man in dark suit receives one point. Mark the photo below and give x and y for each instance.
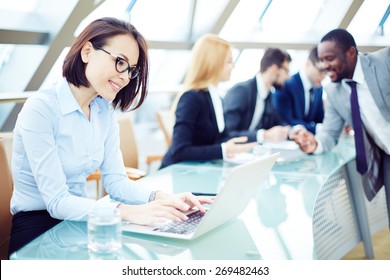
(248, 105)
(300, 100)
(359, 94)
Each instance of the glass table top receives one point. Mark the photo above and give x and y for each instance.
(277, 223)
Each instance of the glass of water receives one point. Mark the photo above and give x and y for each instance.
(104, 230)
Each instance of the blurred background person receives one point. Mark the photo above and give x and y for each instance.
(248, 105)
(199, 132)
(300, 100)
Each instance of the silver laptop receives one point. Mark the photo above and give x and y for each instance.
(240, 187)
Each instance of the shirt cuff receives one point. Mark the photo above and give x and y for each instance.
(223, 147)
(106, 202)
(318, 127)
(260, 136)
(319, 148)
(141, 191)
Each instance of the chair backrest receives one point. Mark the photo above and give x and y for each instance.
(6, 187)
(166, 121)
(8, 138)
(128, 143)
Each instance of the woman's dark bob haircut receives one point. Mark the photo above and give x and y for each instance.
(98, 33)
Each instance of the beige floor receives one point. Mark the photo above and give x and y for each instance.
(381, 243)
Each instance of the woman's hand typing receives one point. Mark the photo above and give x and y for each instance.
(165, 207)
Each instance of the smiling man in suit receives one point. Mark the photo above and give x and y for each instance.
(359, 94)
(300, 100)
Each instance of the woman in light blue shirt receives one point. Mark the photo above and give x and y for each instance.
(67, 132)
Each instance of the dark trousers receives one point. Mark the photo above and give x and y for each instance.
(26, 226)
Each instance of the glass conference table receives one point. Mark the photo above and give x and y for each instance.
(305, 209)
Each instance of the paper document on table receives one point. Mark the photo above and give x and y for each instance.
(282, 145)
(241, 158)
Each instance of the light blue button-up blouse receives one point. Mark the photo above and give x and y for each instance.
(55, 149)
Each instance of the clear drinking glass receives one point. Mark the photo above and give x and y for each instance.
(104, 230)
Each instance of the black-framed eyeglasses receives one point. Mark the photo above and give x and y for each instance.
(122, 65)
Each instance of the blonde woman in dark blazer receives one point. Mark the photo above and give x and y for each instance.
(199, 132)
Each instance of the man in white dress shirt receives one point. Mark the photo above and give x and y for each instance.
(370, 73)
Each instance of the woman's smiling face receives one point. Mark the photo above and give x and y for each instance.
(101, 71)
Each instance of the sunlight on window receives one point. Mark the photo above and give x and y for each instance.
(279, 17)
(20, 5)
(373, 10)
(277, 22)
(162, 20)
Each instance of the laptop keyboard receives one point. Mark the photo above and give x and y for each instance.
(183, 227)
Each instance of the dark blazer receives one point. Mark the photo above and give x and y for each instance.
(290, 104)
(195, 134)
(239, 107)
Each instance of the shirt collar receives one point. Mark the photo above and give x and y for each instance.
(68, 102)
(261, 88)
(305, 80)
(214, 91)
(358, 74)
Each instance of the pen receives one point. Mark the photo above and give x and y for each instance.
(203, 194)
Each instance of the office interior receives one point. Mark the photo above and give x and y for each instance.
(35, 35)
